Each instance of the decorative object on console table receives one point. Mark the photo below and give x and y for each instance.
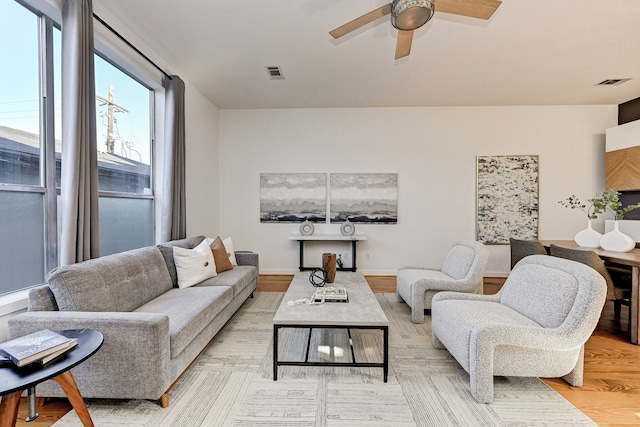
(507, 198)
(347, 228)
(306, 228)
(329, 265)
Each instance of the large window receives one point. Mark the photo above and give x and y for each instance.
(31, 150)
(23, 189)
(123, 113)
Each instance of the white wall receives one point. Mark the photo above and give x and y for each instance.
(202, 166)
(433, 150)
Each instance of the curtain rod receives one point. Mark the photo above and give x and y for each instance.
(117, 34)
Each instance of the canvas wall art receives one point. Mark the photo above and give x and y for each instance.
(364, 197)
(293, 197)
(507, 198)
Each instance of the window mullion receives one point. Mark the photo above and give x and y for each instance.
(48, 144)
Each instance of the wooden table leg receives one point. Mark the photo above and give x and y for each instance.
(9, 409)
(633, 306)
(70, 388)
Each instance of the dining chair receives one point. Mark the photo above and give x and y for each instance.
(618, 289)
(523, 248)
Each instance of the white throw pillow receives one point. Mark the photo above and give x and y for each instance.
(194, 265)
(228, 245)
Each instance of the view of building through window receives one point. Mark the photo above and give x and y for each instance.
(124, 117)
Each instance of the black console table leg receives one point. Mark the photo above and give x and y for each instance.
(301, 255)
(353, 254)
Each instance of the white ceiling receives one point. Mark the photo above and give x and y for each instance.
(542, 52)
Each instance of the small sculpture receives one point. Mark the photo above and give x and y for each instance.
(318, 277)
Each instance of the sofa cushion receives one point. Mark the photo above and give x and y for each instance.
(541, 293)
(190, 310)
(237, 279)
(223, 263)
(459, 318)
(194, 265)
(118, 282)
(167, 253)
(42, 299)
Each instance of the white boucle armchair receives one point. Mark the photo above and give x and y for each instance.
(462, 271)
(535, 326)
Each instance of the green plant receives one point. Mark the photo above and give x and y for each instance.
(611, 200)
(592, 207)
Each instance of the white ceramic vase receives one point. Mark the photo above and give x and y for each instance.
(617, 241)
(588, 238)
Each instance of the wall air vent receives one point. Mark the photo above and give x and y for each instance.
(274, 72)
(612, 82)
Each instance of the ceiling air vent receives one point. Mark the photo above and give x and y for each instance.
(274, 72)
(612, 82)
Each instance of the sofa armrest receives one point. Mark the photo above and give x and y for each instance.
(134, 355)
(247, 258)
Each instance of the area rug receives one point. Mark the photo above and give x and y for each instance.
(231, 383)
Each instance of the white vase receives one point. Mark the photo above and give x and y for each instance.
(617, 241)
(588, 238)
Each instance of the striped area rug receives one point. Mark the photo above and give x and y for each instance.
(231, 383)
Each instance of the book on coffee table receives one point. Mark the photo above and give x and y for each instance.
(331, 294)
(33, 347)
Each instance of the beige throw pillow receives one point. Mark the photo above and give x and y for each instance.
(228, 244)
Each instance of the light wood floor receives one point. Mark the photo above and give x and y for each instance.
(610, 395)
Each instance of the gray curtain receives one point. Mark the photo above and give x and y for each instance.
(173, 224)
(79, 212)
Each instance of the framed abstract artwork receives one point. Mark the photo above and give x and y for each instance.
(293, 197)
(507, 198)
(370, 198)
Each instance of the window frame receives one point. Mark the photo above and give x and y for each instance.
(118, 55)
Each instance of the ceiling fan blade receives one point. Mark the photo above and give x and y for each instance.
(361, 21)
(482, 9)
(403, 46)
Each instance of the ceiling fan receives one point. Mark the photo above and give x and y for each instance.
(408, 15)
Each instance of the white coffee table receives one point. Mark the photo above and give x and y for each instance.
(361, 312)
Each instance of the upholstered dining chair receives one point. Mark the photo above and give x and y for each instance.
(618, 289)
(462, 270)
(535, 326)
(522, 248)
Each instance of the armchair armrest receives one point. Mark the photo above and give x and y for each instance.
(449, 295)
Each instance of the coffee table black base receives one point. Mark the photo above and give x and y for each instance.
(385, 358)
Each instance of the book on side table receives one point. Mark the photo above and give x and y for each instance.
(36, 347)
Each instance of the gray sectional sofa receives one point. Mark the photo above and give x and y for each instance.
(152, 329)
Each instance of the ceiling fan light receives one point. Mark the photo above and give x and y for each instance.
(411, 14)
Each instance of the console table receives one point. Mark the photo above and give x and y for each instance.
(328, 238)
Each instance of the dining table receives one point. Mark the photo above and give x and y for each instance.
(632, 259)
